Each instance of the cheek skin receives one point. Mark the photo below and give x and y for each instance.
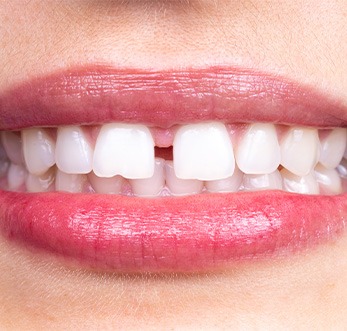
(303, 39)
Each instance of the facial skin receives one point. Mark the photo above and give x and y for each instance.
(304, 40)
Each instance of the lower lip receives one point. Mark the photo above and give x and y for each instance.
(195, 233)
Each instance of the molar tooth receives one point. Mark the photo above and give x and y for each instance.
(150, 187)
(258, 151)
(38, 150)
(124, 149)
(102, 185)
(74, 154)
(328, 179)
(333, 147)
(271, 181)
(203, 151)
(74, 183)
(16, 177)
(299, 184)
(300, 150)
(179, 186)
(42, 183)
(230, 184)
(13, 146)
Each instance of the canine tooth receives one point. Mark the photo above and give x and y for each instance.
(258, 151)
(102, 185)
(13, 146)
(73, 183)
(16, 176)
(74, 154)
(42, 183)
(328, 179)
(299, 184)
(124, 149)
(150, 187)
(203, 151)
(271, 181)
(178, 186)
(230, 184)
(300, 150)
(38, 150)
(333, 147)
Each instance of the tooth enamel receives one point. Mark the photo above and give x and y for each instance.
(230, 184)
(258, 151)
(73, 153)
(328, 179)
(13, 146)
(102, 185)
(124, 149)
(299, 184)
(203, 151)
(42, 183)
(38, 150)
(16, 177)
(179, 186)
(342, 169)
(73, 183)
(150, 187)
(4, 162)
(271, 181)
(333, 147)
(300, 150)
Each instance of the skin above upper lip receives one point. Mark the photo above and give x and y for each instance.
(195, 233)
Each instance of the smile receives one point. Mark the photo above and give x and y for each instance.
(135, 171)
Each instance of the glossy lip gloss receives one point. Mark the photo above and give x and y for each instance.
(195, 233)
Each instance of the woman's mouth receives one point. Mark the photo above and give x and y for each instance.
(170, 171)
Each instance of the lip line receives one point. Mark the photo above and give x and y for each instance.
(94, 94)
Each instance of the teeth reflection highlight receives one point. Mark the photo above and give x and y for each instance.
(328, 179)
(124, 149)
(203, 151)
(271, 181)
(74, 154)
(300, 150)
(178, 186)
(38, 150)
(299, 184)
(258, 151)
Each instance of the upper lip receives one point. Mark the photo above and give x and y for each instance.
(96, 94)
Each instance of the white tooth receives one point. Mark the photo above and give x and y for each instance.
(124, 149)
(300, 150)
(150, 187)
(102, 185)
(73, 153)
(230, 184)
(13, 146)
(333, 147)
(258, 151)
(299, 184)
(328, 179)
(179, 186)
(42, 183)
(38, 150)
(271, 181)
(73, 183)
(16, 177)
(203, 151)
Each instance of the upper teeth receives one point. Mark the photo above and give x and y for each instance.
(203, 156)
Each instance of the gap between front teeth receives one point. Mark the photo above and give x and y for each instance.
(208, 156)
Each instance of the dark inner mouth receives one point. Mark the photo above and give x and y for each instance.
(164, 153)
